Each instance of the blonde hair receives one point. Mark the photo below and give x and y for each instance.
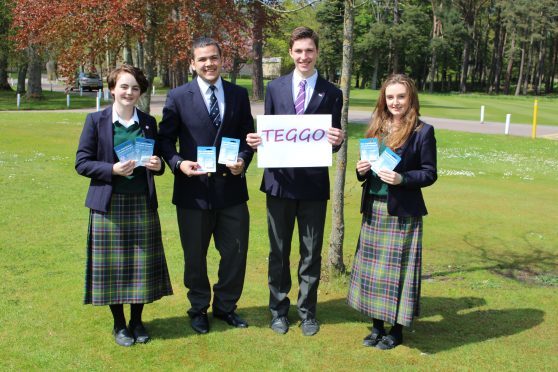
(379, 125)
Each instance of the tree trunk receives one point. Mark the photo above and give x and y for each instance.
(527, 69)
(140, 55)
(34, 87)
(521, 68)
(549, 85)
(4, 83)
(395, 55)
(335, 256)
(464, 66)
(540, 67)
(257, 53)
(511, 53)
(144, 103)
(21, 75)
(127, 51)
(376, 64)
(498, 56)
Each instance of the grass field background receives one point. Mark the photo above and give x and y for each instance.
(490, 272)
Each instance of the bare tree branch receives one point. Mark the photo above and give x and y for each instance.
(287, 11)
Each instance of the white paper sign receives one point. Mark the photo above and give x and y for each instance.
(290, 141)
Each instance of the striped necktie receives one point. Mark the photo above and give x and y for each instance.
(214, 114)
(300, 98)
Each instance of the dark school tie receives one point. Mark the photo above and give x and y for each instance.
(214, 114)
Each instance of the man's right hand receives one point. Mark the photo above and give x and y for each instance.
(253, 140)
(190, 168)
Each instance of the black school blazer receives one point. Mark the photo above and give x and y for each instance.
(418, 168)
(95, 157)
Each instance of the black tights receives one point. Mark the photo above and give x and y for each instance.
(396, 330)
(118, 315)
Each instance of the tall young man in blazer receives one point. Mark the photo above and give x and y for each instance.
(299, 194)
(201, 113)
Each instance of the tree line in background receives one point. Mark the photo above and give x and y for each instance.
(494, 46)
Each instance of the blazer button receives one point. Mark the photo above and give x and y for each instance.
(224, 175)
(209, 175)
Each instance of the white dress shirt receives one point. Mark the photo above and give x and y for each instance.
(125, 123)
(219, 94)
(310, 86)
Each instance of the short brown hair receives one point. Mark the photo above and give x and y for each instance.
(134, 71)
(303, 32)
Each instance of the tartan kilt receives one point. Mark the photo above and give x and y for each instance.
(125, 258)
(386, 275)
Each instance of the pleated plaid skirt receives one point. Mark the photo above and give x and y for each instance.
(386, 274)
(125, 258)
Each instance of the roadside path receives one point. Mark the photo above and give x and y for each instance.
(363, 116)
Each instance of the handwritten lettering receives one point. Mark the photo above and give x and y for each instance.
(293, 135)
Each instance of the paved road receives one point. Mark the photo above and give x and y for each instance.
(363, 116)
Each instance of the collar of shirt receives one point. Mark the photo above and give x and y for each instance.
(219, 93)
(125, 123)
(310, 85)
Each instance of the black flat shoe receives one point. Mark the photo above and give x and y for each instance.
(388, 342)
(123, 337)
(140, 333)
(200, 323)
(280, 325)
(373, 338)
(232, 319)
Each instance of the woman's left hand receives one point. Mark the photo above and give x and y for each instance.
(154, 164)
(390, 177)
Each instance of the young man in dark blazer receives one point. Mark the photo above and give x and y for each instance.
(299, 194)
(201, 113)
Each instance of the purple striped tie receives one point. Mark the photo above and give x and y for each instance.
(300, 98)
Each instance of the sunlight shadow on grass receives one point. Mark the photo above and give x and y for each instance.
(458, 327)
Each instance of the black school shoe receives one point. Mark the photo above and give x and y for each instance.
(389, 342)
(373, 338)
(123, 337)
(140, 333)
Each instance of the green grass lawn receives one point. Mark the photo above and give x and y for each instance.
(468, 106)
(51, 101)
(489, 267)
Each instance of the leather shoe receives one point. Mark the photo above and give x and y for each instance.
(280, 325)
(232, 319)
(373, 338)
(140, 333)
(200, 323)
(388, 342)
(310, 327)
(123, 337)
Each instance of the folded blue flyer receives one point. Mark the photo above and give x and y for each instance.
(125, 151)
(228, 153)
(387, 160)
(144, 150)
(207, 158)
(369, 149)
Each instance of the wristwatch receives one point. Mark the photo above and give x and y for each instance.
(177, 165)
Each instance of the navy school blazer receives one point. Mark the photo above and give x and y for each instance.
(418, 168)
(186, 120)
(95, 157)
(301, 183)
